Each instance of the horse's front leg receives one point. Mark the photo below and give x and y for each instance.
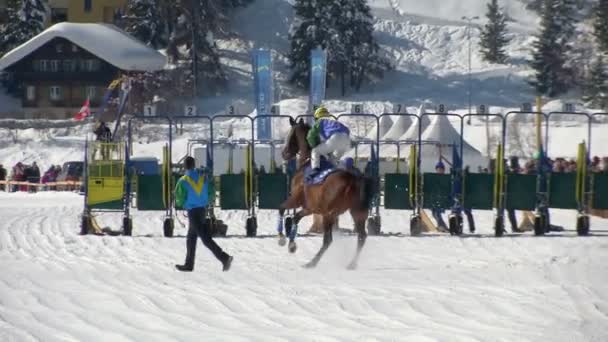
(294, 229)
(290, 203)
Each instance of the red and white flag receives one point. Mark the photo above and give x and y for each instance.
(84, 111)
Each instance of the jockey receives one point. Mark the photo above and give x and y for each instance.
(327, 136)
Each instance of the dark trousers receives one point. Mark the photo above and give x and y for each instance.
(469, 214)
(512, 219)
(437, 216)
(198, 228)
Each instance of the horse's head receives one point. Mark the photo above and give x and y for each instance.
(296, 139)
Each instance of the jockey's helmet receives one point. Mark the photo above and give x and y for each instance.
(321, 112)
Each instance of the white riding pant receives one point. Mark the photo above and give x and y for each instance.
(339, 143)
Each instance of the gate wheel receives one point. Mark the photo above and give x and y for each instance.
(415, 225)
(251, 227)
(539, 225)
(127, 226)
(373, 225)
(85, 224)
(582, 225)
(499, 226)
(455, 222)
(168, 227)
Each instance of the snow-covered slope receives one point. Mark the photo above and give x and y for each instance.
(58, 286)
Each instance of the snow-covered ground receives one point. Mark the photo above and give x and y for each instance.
(58, 286)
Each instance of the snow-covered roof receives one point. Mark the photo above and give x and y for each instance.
(399, 128)
(441, 131)
(385, 124)
(105, 41)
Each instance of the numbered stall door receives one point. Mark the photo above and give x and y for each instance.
(436, 190)
(272, 190)
(562, 191)
(150, 193)
(600, 191)
(233, 195)
(397, 191)
(479, 191)
(521, 192)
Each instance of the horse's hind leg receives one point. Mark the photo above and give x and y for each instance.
(359, 219)
(327, 239)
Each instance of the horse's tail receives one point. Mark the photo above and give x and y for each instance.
(367, 191)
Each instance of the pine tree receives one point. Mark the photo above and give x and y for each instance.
(344, 28)
(10, 34)
(600, 25)
(493, 36)
(32, 15)
(362, 53)
(26, 19)
(549, 55)
(143, 20)
(596, 92)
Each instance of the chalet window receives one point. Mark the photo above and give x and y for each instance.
(59, 48)
(42, 65)
(92, 65)
(30, 93)
(54, 65)
(91, 92)
(69, 65)
(74, 48)
(88, 4)
(59, 15)
(55, 93)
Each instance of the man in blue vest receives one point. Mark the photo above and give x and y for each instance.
(192, 194)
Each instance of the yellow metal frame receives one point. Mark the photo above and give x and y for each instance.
(106, 176)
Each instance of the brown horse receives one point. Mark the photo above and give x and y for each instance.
(341, 191)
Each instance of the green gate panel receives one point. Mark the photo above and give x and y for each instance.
(150, 192)
(562, 191)
(479, 191)
(112, 205)
(272, 190)
(396, 191)
(232, 192)
(600, 190)
(436, 190)
(521, 192)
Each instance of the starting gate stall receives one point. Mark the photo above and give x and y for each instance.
(236, 190)
(272, 187)
(104, 185)
(151, 183)
(599, 180)
(437, 191)
(201, 149)
(372, 168)
(571, 190)
(484, 190)
(527, 192)
(396, 191)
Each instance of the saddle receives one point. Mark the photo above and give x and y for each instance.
(312, 177)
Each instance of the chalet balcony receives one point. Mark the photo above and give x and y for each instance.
(103, 76)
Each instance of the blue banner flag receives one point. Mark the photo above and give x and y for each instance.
(107, 96)
(262, 79)
(318, 71)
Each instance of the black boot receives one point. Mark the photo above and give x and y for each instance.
(226, 263)
(184, 268)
